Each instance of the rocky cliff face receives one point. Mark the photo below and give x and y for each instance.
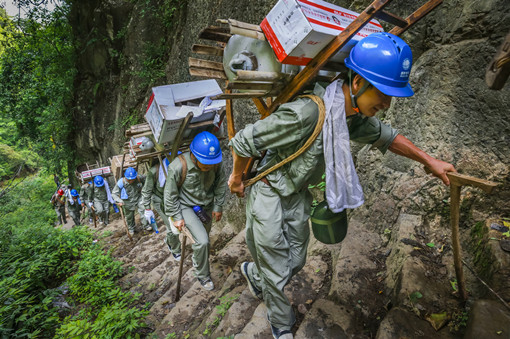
(125, 47)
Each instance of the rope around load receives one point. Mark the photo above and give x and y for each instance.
(501, 62)
(308, 143)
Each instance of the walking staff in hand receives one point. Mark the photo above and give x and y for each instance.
(278, 206)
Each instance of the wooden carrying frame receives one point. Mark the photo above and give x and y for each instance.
(268, 84)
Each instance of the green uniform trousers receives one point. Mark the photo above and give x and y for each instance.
(102, 210)
(200, 233)
(277, 235)
(75, 215)
(61, 214)
(172, 234)
(130, 215)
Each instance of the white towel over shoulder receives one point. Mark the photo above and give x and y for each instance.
(343, 189)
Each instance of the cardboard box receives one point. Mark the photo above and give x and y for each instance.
(298, 30)
(90, 174)
(169, 105)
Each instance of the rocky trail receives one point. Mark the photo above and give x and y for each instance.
(390, 285)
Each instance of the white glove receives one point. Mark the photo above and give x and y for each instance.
(91, 204)
(148, 215)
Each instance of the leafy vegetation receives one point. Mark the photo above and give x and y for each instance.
(107, 312)
(36, 83)
(38, 262)
(225, 302)
(35, 258)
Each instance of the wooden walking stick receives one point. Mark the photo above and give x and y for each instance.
(125, 223)
(94, 215)
(456, 182)
(186, 234)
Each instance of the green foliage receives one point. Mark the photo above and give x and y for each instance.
(34, 259)
(321, 185)
(225, 302)
(108, 311)
(36, 82)
(458, 321)
(28, 203)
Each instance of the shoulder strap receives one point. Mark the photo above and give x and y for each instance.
(307, 144)
(184, 171)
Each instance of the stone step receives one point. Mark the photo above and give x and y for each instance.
(196, 304)
(357, 281)
(302, 291)
(327, 320)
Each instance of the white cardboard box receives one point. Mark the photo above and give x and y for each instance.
(298, 30)
(169, 105)
(90, 174)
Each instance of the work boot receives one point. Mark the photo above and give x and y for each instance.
(177, 256)
(253, 289)
(279, 334)
(206, 283)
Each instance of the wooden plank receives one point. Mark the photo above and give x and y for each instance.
(207, 73)
(178, 136)
(216, 29)
(214, 35)
(247, 95)
(313, 67)
(201, 63)
(230, 117)
(201, 123)
(250, 85)
(417, 16)
(244, 25)
(391, 18)
(207, 50)
(248, 33)
(259, 76)
(462, 180)
(262, 107)
(454, 223)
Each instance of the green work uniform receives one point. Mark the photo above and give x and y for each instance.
(205, 189)
(101, 204)
(85, 196)
(133, 201)
(277, 231)
(59, 204)
(74, 210)
(152, 192)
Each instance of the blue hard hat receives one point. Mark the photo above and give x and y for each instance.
(384, 60)
(130, 173)
(74, 193)
(206, 148)
(99, 181)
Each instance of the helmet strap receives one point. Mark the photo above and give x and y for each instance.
(354, 98)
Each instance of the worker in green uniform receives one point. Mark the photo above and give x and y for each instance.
(190, 201)
(152, 193)
(278, 206)
(85, 197)
(59, 204)
(128, 193)
(101, 197)
(74, 207)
